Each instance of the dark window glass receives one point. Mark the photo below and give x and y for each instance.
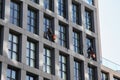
(0, 69)
(13, 47)
(62, 36)
(77, 71)
(62, 8)
(31, 77)
(75, 13)
(77, 42)
(1, 9)
(91, 50)
(92, 75)
(62, 67)
(48, 4)
(46, 79)
(12, 74)
(15, 13)
(115, 78)
(89, 20)
(32, 21)
(104, 76)
(91, 2)
(47, 61)
(48, 29)
(36, 1)
(30, 55)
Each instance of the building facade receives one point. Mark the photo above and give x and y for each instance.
(50, 40)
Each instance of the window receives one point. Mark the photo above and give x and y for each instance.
(13, 47)
(92, 74)
(48, 29)
(62, 8)
(1, 41)
(48, 4)
(91, 2)
(0, 69)
(15, 13)
(116, 78)
(32, 21)
(62, 67)
(1, 8)
(62, 35)
(91, 50)
(104, 76)
(36, 1)
(77, 42)
(30, 76)
(31, 52)
(89, 20)
(47, 67)
(75, 13)
(12, 74)
(77, 71)
(46, 79)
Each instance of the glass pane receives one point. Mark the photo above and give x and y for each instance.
(10, 37)
(32, 63)
(15, 39)
(15, 47)
(32, 55)
(13, 74)
(14, 56)
(8, 72)
(32, 46)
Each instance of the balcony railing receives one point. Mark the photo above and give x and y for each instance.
(110, 64)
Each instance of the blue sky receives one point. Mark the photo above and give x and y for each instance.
(109, 13)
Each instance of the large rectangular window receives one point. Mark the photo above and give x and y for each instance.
(77, 71)
(15, 13)
(48, 4)
(92, 74)
(62, 8)
(75, 13)
(48, 29)
(32, 21)
(63, 67)
(104, 76)
(47, 67)
(91, 2)
(62, 36)
(1, 8)
(31, 54)
(91, 48)
(12, 74)
(13, 47)
(89, 20)
(31, 76)
(77, 42)
(116, 78)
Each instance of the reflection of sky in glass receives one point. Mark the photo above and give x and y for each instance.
(110, 64)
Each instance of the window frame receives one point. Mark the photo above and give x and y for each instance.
(31, 75)
(63, 38)
(62, 8)
(35, 1)
(48, 5)
(11, 44)
(104, 75)
(89, 20)
(11, 69)
(32, 16)
(76, 11)
(28, 54)
(18, 12)
(92, 72)
(2, 8)
(77, 39)
(48, 56)
(63, 64)
(91, 2)
(77, 70)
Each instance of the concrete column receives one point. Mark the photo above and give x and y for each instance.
(71, 63)
(7, 11)
(5, 41)
(23, 52)
(23, 74)
(3, 71)
(24, 18)
(41, 26)
(86, 71)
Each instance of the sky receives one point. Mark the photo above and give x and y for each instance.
(109, 14)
